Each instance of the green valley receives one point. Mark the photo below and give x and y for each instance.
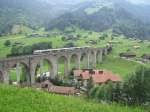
(112, 62)
(74, 56)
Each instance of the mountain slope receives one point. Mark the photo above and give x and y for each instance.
(27, 100)
(20, 12)
(106, 15)
(122, 16)
(32, 13)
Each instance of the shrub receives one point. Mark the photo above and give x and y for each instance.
(134, 91)
(103, 36)
(26, 50)
(92, 92)
(63, 38)
(7, 43)
(78, 35)
(100, 93)
(137, 87)
(60, 82)
(70, 44)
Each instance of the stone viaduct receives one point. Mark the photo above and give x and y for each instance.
(92, 57)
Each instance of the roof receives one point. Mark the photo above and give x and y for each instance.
(77, 73)
(85, 75)
(100, 76)
(98, 79)
(61, 90)
(128, 54)
(137, 47)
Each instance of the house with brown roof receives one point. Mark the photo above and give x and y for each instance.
(128, 55)
(81, 77)
(62, 90)
(97, 76)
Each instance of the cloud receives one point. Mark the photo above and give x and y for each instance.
(140, 1)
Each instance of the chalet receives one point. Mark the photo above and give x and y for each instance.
(136, 47)
(146, 57)
(97, 76)
(70, 37)
(113, 42)
(140, 41)
(93, 42)
(115, 35)
(35, 35)
(62, 90)
(128, 55)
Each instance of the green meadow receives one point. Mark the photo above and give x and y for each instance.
(118, 66)
(14, 99)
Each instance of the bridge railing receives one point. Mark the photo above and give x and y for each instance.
(48, 52)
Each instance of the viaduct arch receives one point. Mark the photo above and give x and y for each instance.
(52, 56)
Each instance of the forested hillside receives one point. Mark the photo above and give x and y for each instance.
(31, 13)
(121, 16)
(107, 15)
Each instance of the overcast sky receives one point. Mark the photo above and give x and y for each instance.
(77, 1)
(140, 1)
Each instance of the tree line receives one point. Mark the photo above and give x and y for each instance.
(135, 90)
(29, 49)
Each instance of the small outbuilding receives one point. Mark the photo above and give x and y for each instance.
(136, 47)
(62, 90)
(128, 55)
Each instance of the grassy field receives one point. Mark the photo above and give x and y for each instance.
(55, 39)
(27, 100)
(121, 44)
(112, 62)
(118, 66)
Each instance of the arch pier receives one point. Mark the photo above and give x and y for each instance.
(88, 56)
